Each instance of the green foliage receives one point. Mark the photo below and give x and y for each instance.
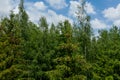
(57, 52)
(109, 78)
(10, 49)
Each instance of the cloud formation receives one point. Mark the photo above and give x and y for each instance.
(98, 24)
(6, 6)
(35, 10)
(73, 8)
(57, 4)
(35, 13)
(40, 5)
(89, 8)
(113, 14)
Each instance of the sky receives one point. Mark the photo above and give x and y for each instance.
(103, 13)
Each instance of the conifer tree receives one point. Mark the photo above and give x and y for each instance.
(67, 57)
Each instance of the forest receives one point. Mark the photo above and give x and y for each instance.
(57, 52)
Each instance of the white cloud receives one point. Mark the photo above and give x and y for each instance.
(112, 13)
(35, 10)
(117, 23)
(57, 4)
(40, 5)
(89, 8)
(16, 10)
(98, 24)
(6, 6)
(74, 8)
(51, 16)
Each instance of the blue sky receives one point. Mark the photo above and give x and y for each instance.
(104, 13)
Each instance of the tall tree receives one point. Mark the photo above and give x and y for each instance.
(84, 29)
(41, 61)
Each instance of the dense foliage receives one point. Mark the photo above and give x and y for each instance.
(56, 52)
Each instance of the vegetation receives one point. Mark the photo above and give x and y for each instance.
(57, 52)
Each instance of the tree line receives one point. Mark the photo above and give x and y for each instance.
(56, 52)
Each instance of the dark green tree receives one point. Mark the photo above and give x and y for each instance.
(68, 64)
